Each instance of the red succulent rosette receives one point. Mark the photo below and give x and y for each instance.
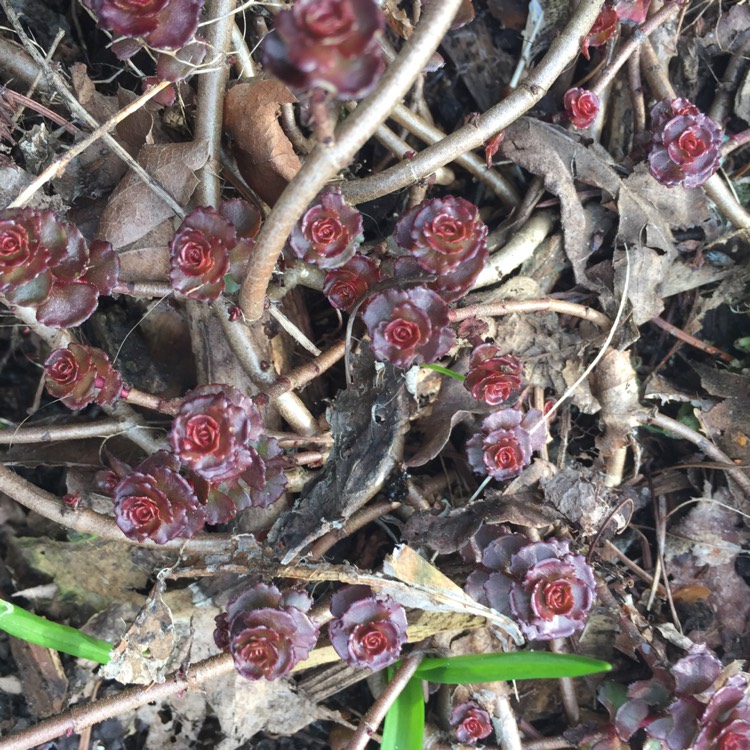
(199, 254)
(164, 24)
(266, 632)
(506, 442)
(632, 11)
(212, 432)
(443, 234)
(81, 375)
(470, 722)
(346, 285)
(493, 377)
(582, 107)
(45, 263)
(542, 585)
(686, 148)
(367, 631)
(601, 32)
(408, 327)
(329, 232)
(154, 502)
(327, 44)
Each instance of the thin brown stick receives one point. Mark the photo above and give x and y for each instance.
(78, 718)
(54, 432)
(703, 444)
(563, 50)
(327, 160)
(357, 521)
(678, 333)
(23, 101)
(547, 304)
(304, 374)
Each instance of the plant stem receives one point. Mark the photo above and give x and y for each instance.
(562, 51)
(327, 160)
(636, 39)
(375, 715)
(78, 718)
(704, 444)
(547, 304)
(51, 433)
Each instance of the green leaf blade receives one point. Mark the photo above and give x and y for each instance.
(403, 728)
(519, 665)
(29, 627)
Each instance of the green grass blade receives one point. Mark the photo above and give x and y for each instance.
(29, 627)
(403, 728)
(445, 371)
(519, 665)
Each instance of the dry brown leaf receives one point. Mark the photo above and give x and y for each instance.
(264, 155)
(561, 159)
(134, 209)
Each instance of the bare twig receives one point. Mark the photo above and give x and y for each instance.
(54, 432)
(494, 309)
(562, 51)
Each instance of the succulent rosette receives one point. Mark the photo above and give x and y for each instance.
(366, 631)
(164, 24)
(329, 232)
(346, 285)
(199, 254)
(632, 11)
(470, 722)
(493, 377)
(602, 31)
(81, 375)
(327, 44)
(153, 501)
(686, 148)
(408, 326)
(266, 632)
(542, 585)
(447, 238)
(582, 107)
(505, 444)
(45, 263)
(212, 432)
(695, 705)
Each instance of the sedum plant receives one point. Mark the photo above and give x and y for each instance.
(346, 285)
(542, 585)
(470, 722)
(581, 106)
(506, 442)
(493, 377)
(45, 263)
(685, 150)
(366, 631)
(327, 44)
(266, 632)
(81, 375)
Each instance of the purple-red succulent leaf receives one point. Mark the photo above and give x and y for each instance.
(245, 217)
(348, 284)
(499, 552)
(408, 327)
(104, 267)
(470, 722)
(630, 718)
(604, 27)
(632, 11)
(695, 672)
(327, 44)
(68, 304)
(493, 378)
(329, 232)
(582, 107)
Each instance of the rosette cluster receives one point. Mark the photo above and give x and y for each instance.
(470, 722)
(695, 704)
(328, 233)
(366, 631)
(45, 263)
(163, 24)
(153, 501)
(327, 44)
(493, 377)
(350, 283)
(581, 106)
(685, 149)
(448, 239)
(542, 585)
(266, 632)
(210, 245)
(506, 442)
(81, 375)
